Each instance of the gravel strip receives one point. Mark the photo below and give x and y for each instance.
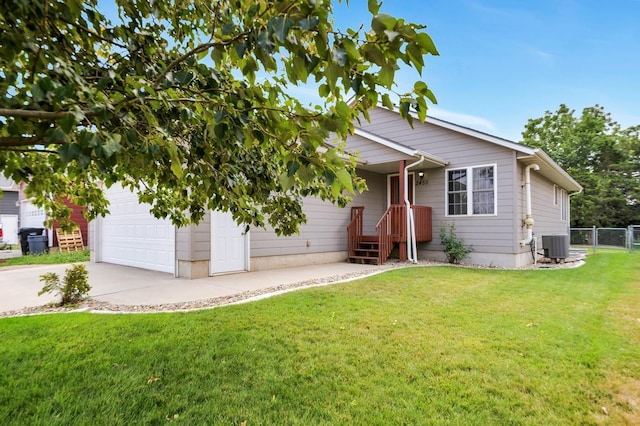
(96, 306)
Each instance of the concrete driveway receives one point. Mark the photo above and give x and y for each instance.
(123, 285)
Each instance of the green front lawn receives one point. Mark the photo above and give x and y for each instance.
(54, 257)
(432, 345)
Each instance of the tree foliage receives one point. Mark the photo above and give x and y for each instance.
(603, 157)
(187, 102)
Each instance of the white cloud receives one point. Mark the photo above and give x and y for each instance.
(540, 54)
(501, 13)
(475, 122)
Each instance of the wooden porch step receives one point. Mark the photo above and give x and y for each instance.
(373, 245)
(368, 244)
(367, 252)
(363, 260)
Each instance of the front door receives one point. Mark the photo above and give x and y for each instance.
(229, 248)
(393, 190)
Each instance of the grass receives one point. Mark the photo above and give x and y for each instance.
(47, 258)
(434, 345)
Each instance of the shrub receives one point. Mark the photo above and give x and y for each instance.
(72, 289)
(453, 246)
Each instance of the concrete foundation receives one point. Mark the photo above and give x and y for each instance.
(497, 260)
(193, 269)
(288, 261)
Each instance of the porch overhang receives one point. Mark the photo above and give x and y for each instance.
(394, 152)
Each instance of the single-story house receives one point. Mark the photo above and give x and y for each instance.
(500, 195)
(17, 211)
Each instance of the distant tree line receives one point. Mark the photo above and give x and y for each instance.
(598, 153)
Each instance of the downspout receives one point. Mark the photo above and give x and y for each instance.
(528, 220)
(412, 253)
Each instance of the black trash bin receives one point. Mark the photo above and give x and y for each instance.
(24, 235)
(38, 244)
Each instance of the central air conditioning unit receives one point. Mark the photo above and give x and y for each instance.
(555, 246)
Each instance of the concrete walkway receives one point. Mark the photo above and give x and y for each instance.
(122, 285)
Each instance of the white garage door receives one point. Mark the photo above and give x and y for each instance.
(131, 236)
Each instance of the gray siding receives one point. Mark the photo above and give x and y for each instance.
(490, 234)
(8, 201)
(373, 153)
(326, 227)
(193, 242)
(547, 216)
(324, 231)
(493, 237)
(374, 201)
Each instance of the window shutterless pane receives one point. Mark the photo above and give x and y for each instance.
(457, 180)
(458, 203)
(483, 202)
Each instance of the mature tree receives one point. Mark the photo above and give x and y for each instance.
(187, 102)
(600, 155)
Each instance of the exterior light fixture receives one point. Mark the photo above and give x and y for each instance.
(422, 178)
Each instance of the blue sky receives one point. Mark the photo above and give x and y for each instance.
(503, 62)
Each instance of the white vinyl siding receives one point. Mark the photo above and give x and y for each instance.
(474, 198)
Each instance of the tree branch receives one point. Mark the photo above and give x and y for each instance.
(17, 149)
(92, 32)
(40, 115)
(26, 113)
(194, 51)
(17, 141)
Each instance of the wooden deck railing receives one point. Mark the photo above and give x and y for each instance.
(398, 222)
(385, 231)
(391, 229)
(354, 229)
(424, 226)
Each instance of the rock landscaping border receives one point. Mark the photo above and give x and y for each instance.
(95, 306)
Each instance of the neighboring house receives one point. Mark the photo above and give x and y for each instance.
(456, 175)
(9, 210)
(32, 216)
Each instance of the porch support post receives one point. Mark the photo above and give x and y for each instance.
(402, 245)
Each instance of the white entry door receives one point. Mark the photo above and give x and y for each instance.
(229, 245)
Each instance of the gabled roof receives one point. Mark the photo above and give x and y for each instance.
(479, 135)
(551, 170)
(7, 184)
(433, 159)
(525, 154)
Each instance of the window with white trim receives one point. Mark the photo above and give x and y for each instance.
(471, 191)
(564, 205)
